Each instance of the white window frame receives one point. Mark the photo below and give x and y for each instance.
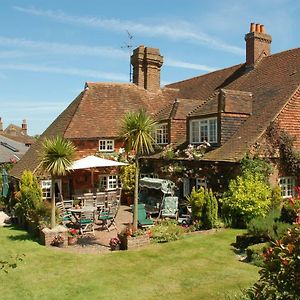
(161, 134)
(46, 189)
(109, 182)
(287, 186)
(106, 145)
(197, 128)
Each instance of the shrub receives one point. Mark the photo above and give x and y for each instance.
(248, 197)
(166, 231)
(255, 253)
(210, 210)
(276, 199)
(268, 227)
(196, 201)
(29, 199)
(289, 211)
(128, 178)
(280, 275)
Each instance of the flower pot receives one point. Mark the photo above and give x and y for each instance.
(72, 240)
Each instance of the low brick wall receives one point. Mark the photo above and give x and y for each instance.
(131, 242)
(47, 235)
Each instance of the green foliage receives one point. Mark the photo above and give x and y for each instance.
(289, 211)
(248, 197)
(276, 199)
(29, 198)
(255, 253)
(289, 155)
(268, 227)
(204, 207)
(196, 201)
(57, 155)
(210, 210)
(128, 178)
(257, 166)
(136, 129)
(166, 231)
(280, 275)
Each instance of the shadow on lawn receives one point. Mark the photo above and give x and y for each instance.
(24, 236)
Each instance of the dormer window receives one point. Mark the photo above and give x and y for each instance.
(160, 134)
(203, 130)
(106, 145)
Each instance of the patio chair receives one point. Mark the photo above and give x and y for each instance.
(107, 216)
(100, 200)
(89, 202)
(111, 196)
(68, 203)
(86, 222)
(170, 207)
(66, 216)
(143, 221)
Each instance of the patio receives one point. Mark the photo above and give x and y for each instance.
(100, 241)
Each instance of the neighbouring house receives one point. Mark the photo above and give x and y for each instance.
(14, 142)
(225, 115)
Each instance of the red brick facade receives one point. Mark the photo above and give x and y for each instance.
(289, 118)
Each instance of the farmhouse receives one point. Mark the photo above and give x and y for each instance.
(218, 118)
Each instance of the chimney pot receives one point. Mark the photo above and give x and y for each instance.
(252, 27)
(257, 44)
(24, 127)
(1, 124)
(257, 27)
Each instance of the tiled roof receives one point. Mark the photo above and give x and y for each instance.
(25, 139)
(103, 106)
(203, 86)
(97, 112)
(272, 82)
(178, 110)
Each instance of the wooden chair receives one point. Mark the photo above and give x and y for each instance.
(68, 203)
(86, 222)
(100, 200)
(111, 197)
(66, 217)
(107, 216)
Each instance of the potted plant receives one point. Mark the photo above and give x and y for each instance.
(72, 236)
(58, 240)
(114, 243)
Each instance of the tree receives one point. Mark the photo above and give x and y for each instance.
(136, 129)
(57, 156)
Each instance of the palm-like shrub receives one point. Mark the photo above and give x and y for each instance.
(57, 156)
(136, 130)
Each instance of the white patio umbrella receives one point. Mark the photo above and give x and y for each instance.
(92, 162)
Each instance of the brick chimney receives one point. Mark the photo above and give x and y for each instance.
(257, 44)
(24, 127)
(146, 64)
(1, 125)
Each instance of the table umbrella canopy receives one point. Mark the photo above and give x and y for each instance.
(5, 184)
(94, 162)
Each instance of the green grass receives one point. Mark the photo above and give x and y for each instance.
(197, 267)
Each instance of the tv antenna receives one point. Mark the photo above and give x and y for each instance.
(129, 46)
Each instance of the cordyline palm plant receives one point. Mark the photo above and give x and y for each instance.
(57, 156)
(136, 130)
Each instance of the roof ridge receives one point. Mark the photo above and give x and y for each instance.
(206, 74)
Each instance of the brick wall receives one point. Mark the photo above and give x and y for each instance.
(178, 131)
(289, 118)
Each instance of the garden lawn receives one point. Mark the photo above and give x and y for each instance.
(197, 267)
